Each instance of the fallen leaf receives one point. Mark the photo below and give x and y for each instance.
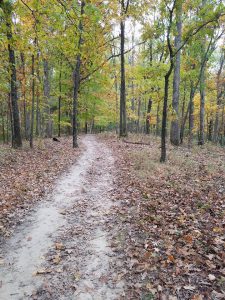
(42, 271)
(56, 260)
(59, 246)
(212, 277)
(197, 297)
(189, 287)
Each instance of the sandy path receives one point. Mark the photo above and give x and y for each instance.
(76, 216)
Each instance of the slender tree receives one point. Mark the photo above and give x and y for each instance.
(175, 126)
(16, 132)
(76, 77)
(123, 113)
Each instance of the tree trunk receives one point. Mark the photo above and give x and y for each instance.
(60, 99)
(210, 130)
(157, 120)
(24, 95)
(32, 105)
(123, 118)
(202, 108)
(164, 118)
(148, 116)
(16, 132)
(191, 116)
(201, 137)
(38, 117)
(76, 79)
(48, 126)
(7, 122)
(3, 123)
(138, 115)
(183, 117)
(219, 98)
(175, 126)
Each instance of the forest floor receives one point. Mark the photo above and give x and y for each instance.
(116, 225)
(170, 221)
(27, 175)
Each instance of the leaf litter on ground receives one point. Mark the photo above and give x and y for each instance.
(169, 225)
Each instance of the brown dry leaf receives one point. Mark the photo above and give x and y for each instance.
(59, 246)
(197, 297)
(77, 276)
(188, 238)
(56, 260)
(171, 259)
(42, 271)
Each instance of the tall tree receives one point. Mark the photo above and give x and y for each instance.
(175, 126)
(16, 132)
(76, 77)
(123, 114)
(219, 92)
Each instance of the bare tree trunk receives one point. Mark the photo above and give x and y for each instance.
(76, 78)
(148, 116)
(204, 53)
(60, 99)
(11, 117)
(48, 127)
(222, 129)
(219, 98)
(175, 126)
(191, 116)
(16, 132)
(202, 108)
(117, 106)
(7, 122)
(183, 117)
(24, 95)
(123, 118)
(38, 117)
(3, 123)
(164, 118)
(210, 130)
(138, 116)
(157, 121)
(32, 105)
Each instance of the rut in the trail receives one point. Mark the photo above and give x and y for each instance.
(80, 200)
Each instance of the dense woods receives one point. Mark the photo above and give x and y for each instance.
(130, 66)
(95, 97)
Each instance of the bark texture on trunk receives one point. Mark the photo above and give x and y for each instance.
(148, 116)
(123, 117)
(164, 117)
(32, 105)
(60, 99)
(49, 125)
(191, 116)
(175, 126)
(219, 84)
(16, 132)
(23, 86)
(201, 140)
(76, 79)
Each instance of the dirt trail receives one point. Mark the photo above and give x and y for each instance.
(75, 215)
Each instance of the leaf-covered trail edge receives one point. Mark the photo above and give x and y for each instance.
(170, 222)
(27, 175)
